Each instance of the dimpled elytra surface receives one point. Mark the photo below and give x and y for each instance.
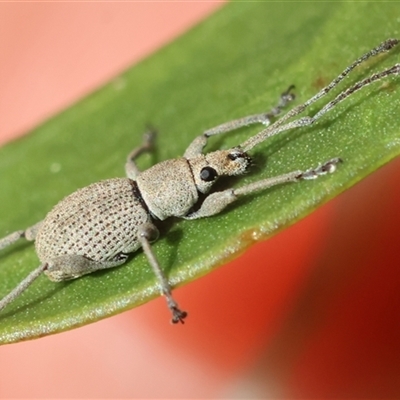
(97, 222)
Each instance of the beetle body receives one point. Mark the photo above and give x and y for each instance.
(99, 222)
(98, 226)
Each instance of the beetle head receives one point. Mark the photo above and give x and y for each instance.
(207, 168)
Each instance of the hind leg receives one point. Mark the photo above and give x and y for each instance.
(60, 269)
(72, 266)
(29, 234)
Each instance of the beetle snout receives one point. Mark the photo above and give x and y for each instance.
(229, 162)
(239, 161)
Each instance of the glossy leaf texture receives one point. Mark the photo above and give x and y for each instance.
(235, 63)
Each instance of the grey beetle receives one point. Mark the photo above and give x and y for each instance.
(98, 226)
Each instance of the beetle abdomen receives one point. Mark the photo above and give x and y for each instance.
(97, 222)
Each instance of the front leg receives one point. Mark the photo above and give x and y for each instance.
(217, 201)
(196, 147)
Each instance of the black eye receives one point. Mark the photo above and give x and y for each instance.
(208, 174)
(236, 153)
(234, 156)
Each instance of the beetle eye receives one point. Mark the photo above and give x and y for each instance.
(234, 156)
(208, 174)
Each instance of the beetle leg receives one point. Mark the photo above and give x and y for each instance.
(24, 284)
(148, 233)
(196, 147)
(131, 169)
(217, 201)
(28, 234)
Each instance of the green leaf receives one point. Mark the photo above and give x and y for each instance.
(236, 63)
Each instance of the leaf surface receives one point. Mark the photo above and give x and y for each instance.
(235, 63)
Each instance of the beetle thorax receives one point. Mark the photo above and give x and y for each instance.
(168, 188)
(172, 188)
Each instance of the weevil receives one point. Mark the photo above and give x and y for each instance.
(97, 227)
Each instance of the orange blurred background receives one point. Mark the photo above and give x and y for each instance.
(313, 312)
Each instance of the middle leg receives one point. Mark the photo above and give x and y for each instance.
(148, 233)
(131, 169)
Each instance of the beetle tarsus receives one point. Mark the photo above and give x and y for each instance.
(178, 315)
